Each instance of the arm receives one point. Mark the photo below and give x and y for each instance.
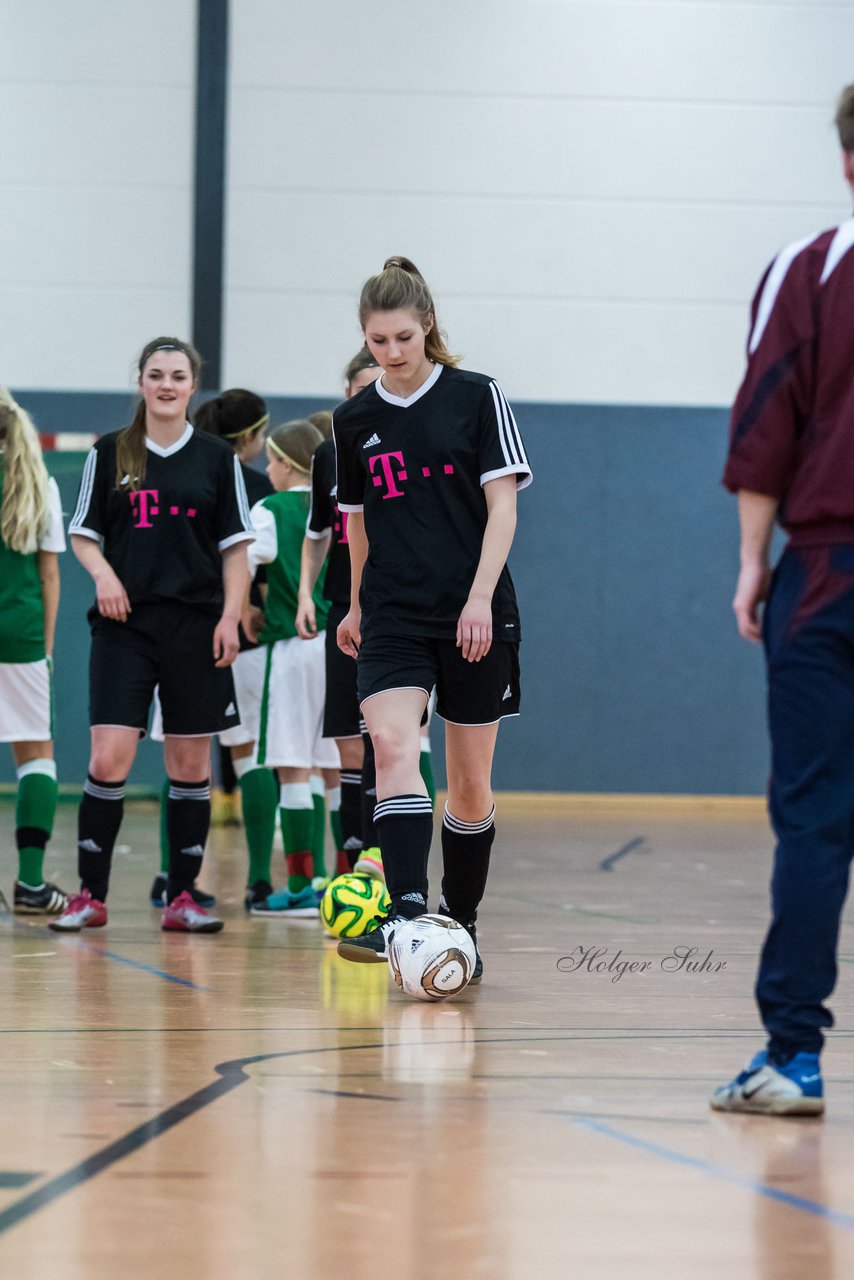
(474, 629)
(314, 552)
(112, 598)
(350, 630)
(48, 564)
(235, 582)
(756, 514)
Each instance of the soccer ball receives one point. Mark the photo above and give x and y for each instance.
(351, 903)
(431, 957)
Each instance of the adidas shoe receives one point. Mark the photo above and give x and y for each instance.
(184, 916)
(370, 863)
(157, 894)
(793, 1088)
(287, 905)
(371, 948)
(256, 893)
(46, 900)
(83, 912)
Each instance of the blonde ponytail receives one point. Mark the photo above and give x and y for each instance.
(25, 510)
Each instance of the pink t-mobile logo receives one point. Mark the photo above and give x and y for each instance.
(340, 525)
(144, 505)
(383, 462)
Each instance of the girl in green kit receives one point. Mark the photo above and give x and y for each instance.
(31, 536)
(291, 734)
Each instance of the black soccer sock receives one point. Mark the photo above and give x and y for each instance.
(98, 820)
(465, 852)
(405, 826)
(370, 835)
(351, 811)
(188, 820)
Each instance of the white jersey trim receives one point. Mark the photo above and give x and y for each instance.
(54, 538)
(839, 246)
(235, 537)
(400, 401)
(242, 498)
(508, 432)
(171, 448)
(81, 532)
(317, 537)
(523, 472)
(773, 285)
(342, 506)
(87, 484)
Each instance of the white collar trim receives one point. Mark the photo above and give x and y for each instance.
(416, 395)
(172, 448)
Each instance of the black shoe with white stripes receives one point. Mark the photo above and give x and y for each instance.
(371, 948)
(41, 900)
(471, 929)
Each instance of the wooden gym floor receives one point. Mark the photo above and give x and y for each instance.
(250, 1106)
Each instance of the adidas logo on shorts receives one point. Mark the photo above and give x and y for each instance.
(373, 440)
(231, 709)
(507, 694)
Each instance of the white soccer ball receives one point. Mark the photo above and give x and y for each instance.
(431, 957)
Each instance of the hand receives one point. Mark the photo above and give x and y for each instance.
(306, 619)
(112, 598)
(751, 589)
(252, 622)
(349, 633)
(226, 644)
(474, 629)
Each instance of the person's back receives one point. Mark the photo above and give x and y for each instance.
(791, 460)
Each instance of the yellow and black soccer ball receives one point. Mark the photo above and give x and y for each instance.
(351, 904)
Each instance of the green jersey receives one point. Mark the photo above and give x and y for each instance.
(279, 522)
(21, 604)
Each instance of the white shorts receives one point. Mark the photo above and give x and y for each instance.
(294, 696)
(26, 701)
(248, 674)
(247, 671)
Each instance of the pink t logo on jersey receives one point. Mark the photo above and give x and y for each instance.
(341, 524)
(383, 461)
(143, 502)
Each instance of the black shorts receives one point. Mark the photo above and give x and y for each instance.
(170, 645)
(341, 710)
(468, 693)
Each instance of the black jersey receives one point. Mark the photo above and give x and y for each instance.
(165, 541)
(325, 518)
(417, 468)
(258, 487)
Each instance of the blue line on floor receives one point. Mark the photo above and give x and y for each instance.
(137, 964)
(725, 1175)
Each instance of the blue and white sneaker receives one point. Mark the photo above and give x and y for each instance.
(793, 1089)
(286, 905)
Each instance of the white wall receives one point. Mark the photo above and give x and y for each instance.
(592, 190)
(96, 149)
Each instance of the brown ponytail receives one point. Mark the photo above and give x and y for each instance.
(131, 453)
(400, 286)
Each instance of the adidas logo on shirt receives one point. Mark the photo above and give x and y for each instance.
(373, 440)
(507, 694)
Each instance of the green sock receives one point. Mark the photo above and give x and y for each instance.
(260, 792)
(337, 830)
(164, 833)
(425, 765)
(296, 813)
(35, 809)
(318, 835)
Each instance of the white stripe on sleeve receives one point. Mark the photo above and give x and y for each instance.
(87, 484)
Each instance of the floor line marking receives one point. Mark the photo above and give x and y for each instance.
(813, 1207)
(138, 964)
(607, 864)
